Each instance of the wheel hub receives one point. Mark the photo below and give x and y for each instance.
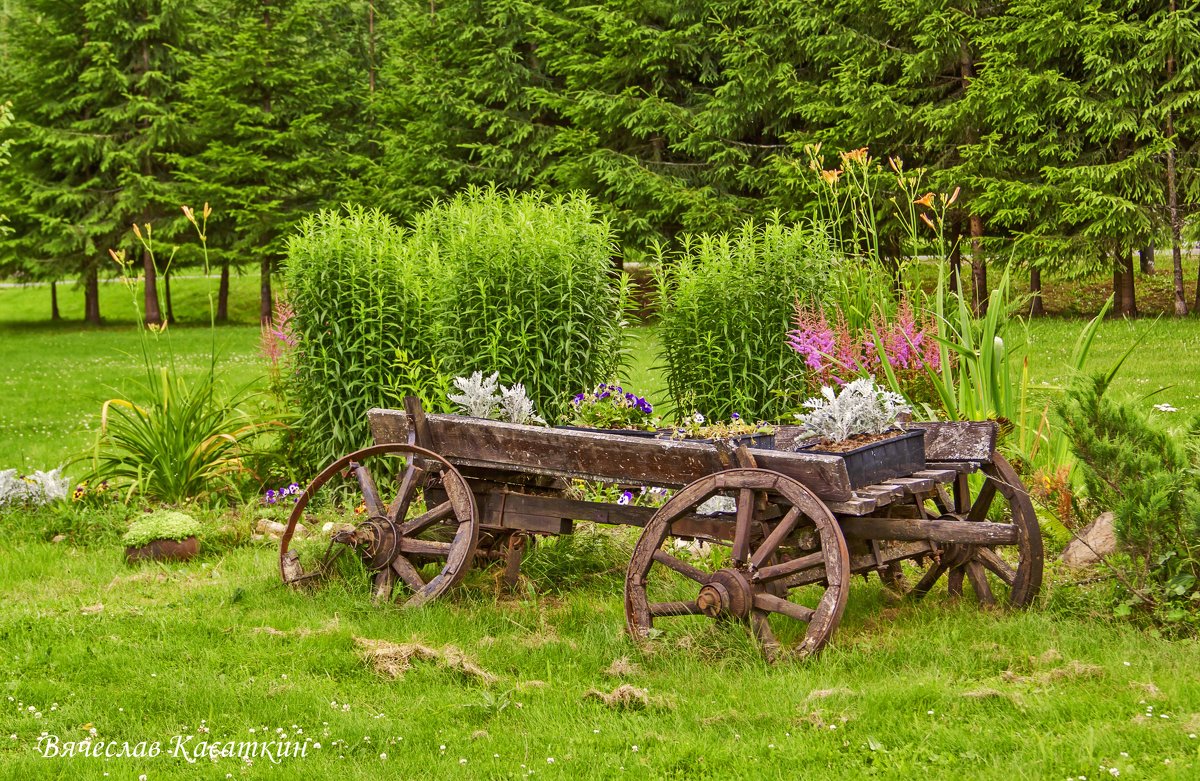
(378, 542)
(727, 593)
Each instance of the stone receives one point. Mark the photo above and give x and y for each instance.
(59, 538)
(1095, 540)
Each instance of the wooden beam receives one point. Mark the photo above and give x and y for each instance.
(914, 529)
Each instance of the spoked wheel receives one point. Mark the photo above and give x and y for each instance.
(1011, 574)
(782, 537)
(394, 540)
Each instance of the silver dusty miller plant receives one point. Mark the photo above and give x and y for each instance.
(33, 490)
(486, 398)
(861, 407)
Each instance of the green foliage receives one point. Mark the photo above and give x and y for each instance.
(5, 143)
(609, 405)
(725, 301)
(160, 525)
(1150, 479)
(362, 307)
(188, 440)
(524, 286)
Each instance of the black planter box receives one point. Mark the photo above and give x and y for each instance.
(876, 462)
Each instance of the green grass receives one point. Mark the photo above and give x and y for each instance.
(935, 688)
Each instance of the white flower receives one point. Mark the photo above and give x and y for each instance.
(698, 418)
(383, 755)
(634, 749)
(462, 760)
(549, 760)
(1165, 408)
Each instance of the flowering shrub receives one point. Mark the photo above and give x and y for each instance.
(486, 398)
(834, 353)
(32, 490)
(696, 427)
(861, 407)
(608, 405)
(278, 340)
(273, 496)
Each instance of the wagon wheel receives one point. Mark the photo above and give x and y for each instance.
(804, 545)
(393, 539)
(1007, 573)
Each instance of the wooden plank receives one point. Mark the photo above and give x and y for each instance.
(959, 440)
(912, 485)
(939, 475)
(913, 529)
(884, 494)
(592, 455)
(539, 514)
(856, 505)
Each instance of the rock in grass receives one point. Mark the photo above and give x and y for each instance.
(1095, 540)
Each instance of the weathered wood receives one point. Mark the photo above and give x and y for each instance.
(964, 467)
(884, 494)
(588, 455)
(913, 529)
(548, 514)
(912, 485)
(856, 505)
(861, 563)
(959, 440)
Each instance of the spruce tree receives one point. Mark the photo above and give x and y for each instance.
(95, 86)
(276, 96)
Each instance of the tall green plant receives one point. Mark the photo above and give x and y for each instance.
(725, 301)
(182, 439)
(525, 286)
(361, 303)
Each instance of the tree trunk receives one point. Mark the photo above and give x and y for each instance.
(1036, 307)
(1128, 299)
(1146, 257)
(1173, 215)
(223, 295)
(55, 315)
(91, 297)
(371, 46)
(167, 296)
(153, 313)
(266, 312)
(979, 284)
(1118, 284)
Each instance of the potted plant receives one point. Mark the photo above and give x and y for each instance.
(610, 408)
(736, 431)
(862, 424)
(163, 535)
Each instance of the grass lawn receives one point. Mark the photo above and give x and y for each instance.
(58, 375)
(936, 688)
(214, 649)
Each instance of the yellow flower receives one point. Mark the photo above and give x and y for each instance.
(362, 508)
(860, 156)
(924, 200)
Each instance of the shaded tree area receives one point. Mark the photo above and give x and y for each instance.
(1070, 128)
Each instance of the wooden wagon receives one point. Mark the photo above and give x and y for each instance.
(791, 528)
